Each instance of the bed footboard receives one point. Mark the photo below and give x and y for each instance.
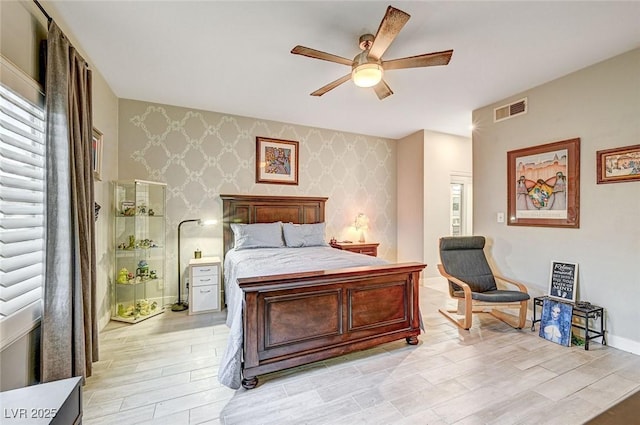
(299, 318)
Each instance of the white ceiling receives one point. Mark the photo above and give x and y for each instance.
(234, 57)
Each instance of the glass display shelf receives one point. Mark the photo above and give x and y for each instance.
(139, 250)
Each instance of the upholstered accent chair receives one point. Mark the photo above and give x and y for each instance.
(473, 284)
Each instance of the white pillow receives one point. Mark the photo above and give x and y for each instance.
(301, 235)
(257, 235)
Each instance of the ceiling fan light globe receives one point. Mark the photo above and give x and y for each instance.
(367, 74)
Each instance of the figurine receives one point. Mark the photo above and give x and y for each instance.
(123, 276)
(151, 212)
(153, 274)
(143, 307)
(129, 211)
(143, 270)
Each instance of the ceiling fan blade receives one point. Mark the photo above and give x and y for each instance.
(428, 59)
(390, 26)
(317, 54)
(332, 85)
(382, 90)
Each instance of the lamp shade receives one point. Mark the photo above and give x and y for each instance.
(367, 75)
(366, 72)
(361, 223)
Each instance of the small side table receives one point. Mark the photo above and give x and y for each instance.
(587, 313)
(361, 248)
(56, 402)
(205, 289)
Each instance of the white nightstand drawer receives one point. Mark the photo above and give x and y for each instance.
(204, 270)
(204, 298)
(205, 280)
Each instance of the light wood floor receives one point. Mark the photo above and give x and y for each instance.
(164, 371)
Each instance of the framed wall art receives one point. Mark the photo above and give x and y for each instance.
(276, 161)
(96, 151)
(562, 280)
(544, 185)
(555, 323)
(618, 165)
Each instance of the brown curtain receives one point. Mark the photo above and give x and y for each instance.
(69, 329)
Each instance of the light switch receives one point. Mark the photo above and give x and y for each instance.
(500, 217)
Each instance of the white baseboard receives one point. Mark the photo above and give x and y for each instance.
(623, 344)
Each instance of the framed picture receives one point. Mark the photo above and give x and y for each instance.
(555, 323)
(618, 165)
(562, 280)
(543, 184)
(96, 150)
(276, 161)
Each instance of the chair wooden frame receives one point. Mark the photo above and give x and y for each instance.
(467, 305)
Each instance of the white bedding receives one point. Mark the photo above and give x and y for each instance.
(270, 261)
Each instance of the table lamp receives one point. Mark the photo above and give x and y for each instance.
(361, 224)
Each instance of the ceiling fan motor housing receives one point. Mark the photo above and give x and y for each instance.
(365, 41)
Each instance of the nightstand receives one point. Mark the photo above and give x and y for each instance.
(366, 248)
(204, 285)
(56, 402)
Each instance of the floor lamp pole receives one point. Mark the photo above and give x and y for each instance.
(180, 305)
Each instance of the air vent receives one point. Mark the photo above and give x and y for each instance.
(511, 110)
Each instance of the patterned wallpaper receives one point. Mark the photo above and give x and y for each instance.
(201, 154)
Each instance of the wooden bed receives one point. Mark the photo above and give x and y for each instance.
(298, 318)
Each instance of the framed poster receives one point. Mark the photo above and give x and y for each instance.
(562, 280)
(555, 323)
(96, 151)
(618, 165)
(276, 161)
(543, 184)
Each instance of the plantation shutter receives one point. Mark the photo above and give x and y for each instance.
(22, 220)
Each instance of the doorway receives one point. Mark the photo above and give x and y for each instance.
(460, 211)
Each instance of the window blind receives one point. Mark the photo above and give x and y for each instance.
(22, 217)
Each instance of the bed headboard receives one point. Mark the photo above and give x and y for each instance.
(267, 209)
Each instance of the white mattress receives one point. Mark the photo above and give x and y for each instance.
(270, 261)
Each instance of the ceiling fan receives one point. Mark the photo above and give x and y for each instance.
(367, 68)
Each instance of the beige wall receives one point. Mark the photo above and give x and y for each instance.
(201, 154)
(600, 105)
(22, 28)
(445, 156)
(411, 197)
(427, 161)
(105, 119)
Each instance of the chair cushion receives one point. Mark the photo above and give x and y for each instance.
(463, 257)
(497, 296)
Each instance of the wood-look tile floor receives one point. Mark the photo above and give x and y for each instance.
(164, 371)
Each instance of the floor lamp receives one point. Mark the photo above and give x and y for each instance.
(181, 305)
